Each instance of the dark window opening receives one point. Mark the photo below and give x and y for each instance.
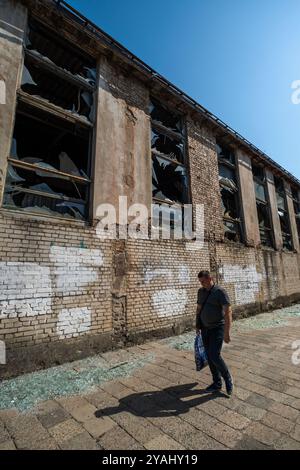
(44, 44)
(48, 166)
(169, 181)
(167, 146)
(169, 172)
(296, 202)
(225, 153)
(262, 206)
(50, 87)
(161, 115)
(229, 194)
(283, 214)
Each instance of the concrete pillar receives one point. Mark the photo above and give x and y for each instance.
(248, 199)
(12, 29)
(274, 211)
(122, 142)
(292, 216)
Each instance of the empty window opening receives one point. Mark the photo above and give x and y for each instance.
(48, 166)
(283, 213)
(229, 193)
(262, 206)
(169, 171)
(296, 202)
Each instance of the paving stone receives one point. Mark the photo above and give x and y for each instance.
(286, 443)
(296, 433)
(7, 445)
(99, 426)
(235, 420)
(4, 436)
(56, 416)
(263, 433)
(65, 430)
(163, 442)
(26, 430)
(250, 411)
(277, 422)
(260, 401)
(118, 439)
(285, 411)
(249, 443)
(139, 428)
(81, 441)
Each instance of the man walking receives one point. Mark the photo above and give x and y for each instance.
(213, 320)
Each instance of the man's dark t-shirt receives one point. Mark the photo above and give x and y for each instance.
(212, 314)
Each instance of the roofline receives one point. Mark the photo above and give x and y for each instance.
(110, 41)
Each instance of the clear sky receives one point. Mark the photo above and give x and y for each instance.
(238, 58)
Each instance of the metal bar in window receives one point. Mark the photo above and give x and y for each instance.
(40, 61)
(44, 105)
(166, 130)
(31, 166)
(45, 194)
(164, 157)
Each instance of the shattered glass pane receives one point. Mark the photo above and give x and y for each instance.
(280, 201)
(263, 216)
(165, 117)
(169, 181)
(258, 172)
(58, 151)
(167, 146)
(49, 46)
(260, 191)
(51, 142)
(42, 181)
(225, 153)
(227, 173)
(229, 204)
(38, 204)
(231, 230)
(167, 217)
(50, 87)
(266, 237)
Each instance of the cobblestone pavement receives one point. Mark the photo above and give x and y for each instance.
(160, 404)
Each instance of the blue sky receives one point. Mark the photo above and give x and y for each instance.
(238, 58)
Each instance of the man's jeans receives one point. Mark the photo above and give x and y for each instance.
(213, 341)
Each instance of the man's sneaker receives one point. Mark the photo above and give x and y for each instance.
(214, 388)
(229, 385)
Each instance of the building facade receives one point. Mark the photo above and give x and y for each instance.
(83, 122)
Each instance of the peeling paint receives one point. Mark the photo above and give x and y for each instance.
(170, 302)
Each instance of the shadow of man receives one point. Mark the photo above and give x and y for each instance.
(161, 403)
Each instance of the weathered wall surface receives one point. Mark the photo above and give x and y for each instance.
(64, 293)
(13, 21)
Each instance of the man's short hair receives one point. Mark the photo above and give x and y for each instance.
(204, 274)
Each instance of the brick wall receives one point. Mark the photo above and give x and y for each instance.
(65, 294)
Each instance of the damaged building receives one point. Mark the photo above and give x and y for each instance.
(84, 122)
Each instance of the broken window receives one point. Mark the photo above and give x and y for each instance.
(262, 205)
(57, 73)
(283, 213)
(169, 172)
(296, 202)
(49, 162)
(229, 193)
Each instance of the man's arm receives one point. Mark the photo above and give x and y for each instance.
(198, 318)
(228, 322)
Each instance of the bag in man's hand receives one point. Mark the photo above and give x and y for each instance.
(200, 354)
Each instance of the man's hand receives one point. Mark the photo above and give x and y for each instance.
(198, 331)
(227, 337)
